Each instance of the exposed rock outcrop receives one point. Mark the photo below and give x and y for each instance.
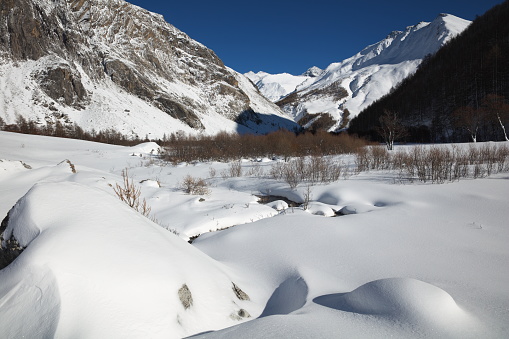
(9, 248)
(98, 54)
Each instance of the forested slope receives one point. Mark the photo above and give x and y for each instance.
(464, 87)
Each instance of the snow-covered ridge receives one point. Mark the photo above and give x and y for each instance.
(135, 267)
(276, 86)
(369, 74)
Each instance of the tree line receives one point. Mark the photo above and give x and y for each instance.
(223, 146)
(72, 131)
(232, 146)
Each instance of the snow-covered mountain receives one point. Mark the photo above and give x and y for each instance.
(276, 86)
(356, 82)
(109, 64)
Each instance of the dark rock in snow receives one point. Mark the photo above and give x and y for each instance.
(185, 296)
(9, 248)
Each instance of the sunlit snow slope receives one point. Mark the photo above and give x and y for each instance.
(356, 82)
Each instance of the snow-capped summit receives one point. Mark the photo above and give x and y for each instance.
(276, 86)
(313, 72)
(414, 43)
(358, 81)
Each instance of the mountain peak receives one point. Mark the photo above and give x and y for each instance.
(313, 72)
(358, 81)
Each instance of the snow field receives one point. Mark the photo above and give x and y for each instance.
(407, 260)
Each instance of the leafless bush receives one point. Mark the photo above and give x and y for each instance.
(435, 164)
(403, 164)
(235, 169)
(438, 164)
(291, 174)
(255, 171)
(212, 172)
(231, 146)
(460, 168)
(316, 169)
(129, 193)
(277, 170)
(362, 159)
(307, 198)
(312, 169)
(194, 186)
(379, 157)
(502, 158)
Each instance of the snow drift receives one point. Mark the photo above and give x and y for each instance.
(93, 267)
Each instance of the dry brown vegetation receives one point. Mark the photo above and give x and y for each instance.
(129, 193)
(436, 164)
(194, 186)
(231, 146)
(313, 169)
(72, 131)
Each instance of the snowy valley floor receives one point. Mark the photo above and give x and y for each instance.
(412, 260)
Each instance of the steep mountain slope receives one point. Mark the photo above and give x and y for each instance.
(468, 78)
(356, 82)
(110, 64)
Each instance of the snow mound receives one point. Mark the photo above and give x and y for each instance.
(318, 208)
(8, 167)
(278, 205)
(401, 300)
(290, 296)
(104, 270)
(147, 148)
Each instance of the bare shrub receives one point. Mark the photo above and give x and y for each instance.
(285, 144)
(291, 174)
(402, 163)
(379, 157)
(255, 171)
(317, 169)
(301, 167)
(335, 170)
(235, 169)
(362, 159)
(212, 172)
(502, 157)
(129, 193)
(307, 197)
(194, 186)
(439, 164)
(313, 169)
(420, 163)
(277, 170)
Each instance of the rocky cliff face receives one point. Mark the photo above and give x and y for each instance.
(93, 61)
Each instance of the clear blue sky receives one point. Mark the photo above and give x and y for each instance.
(291, 36)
